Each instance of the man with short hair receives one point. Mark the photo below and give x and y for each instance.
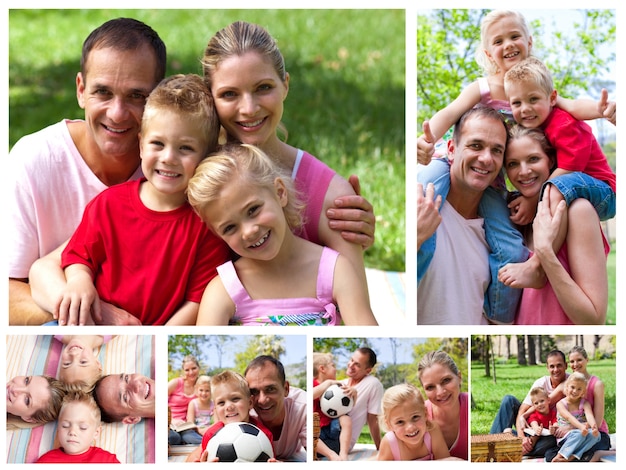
(280, 407)
(369, 393)
(452, 289)
(59, 169)
(126, 398)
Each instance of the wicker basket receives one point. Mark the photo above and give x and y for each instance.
(316, 433)
(504, 447)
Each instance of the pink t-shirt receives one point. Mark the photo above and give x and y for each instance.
(49, 187)
(369, 395)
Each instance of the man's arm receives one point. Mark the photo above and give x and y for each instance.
(353, 216)
(22, 308)
(372, 421)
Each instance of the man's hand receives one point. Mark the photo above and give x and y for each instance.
(428, 217)
(354, 217)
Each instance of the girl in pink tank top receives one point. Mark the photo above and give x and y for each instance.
(410, 434)
(279, 278)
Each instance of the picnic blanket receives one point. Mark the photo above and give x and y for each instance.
(39, 355)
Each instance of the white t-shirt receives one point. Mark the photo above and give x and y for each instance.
(453, 288)
(368, 401)
(50, 186)
(543, 382)
(292, 443)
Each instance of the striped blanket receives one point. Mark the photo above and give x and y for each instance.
(387, 296)
(39, 355)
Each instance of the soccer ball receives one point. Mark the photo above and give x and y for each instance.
(240, 442)
(334, 402)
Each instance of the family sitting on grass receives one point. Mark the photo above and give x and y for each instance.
(414, 429)
(562, 417)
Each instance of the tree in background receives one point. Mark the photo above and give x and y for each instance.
(448, 39)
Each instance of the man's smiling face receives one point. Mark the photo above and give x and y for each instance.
(130, 396)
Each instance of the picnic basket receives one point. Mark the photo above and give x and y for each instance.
(503, 447)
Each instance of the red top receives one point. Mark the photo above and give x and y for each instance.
(93, 455)
(145, 262)
(576, 147)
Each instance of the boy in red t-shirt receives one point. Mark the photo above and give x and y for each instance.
(232, 403)
(543, 417)
(335, 433)
(78, 426)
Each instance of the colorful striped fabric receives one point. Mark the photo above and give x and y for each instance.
(39, 355)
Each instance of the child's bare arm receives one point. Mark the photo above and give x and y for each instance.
(78, 297)
(185, 315)
(585, 109)
(216, 306)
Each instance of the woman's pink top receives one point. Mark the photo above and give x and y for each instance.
(459, 448)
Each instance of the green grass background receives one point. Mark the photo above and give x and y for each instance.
(512, 379)
(346, 102)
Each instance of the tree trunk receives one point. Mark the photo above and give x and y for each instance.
(532, 357)
(486, 355)
(521, 350)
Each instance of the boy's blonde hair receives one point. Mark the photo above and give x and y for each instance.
(188, 96)
(492, 17)
(530, 70)
(536, 391)
(233, 378)
(80, 396)
(398, 395)
(321, 359)
(242, 164)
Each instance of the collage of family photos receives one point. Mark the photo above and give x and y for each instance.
(227, 184)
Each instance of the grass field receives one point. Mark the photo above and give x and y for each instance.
(346, 102)
(512, 379)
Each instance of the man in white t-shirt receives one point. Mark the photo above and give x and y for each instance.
(55, 172)
(511, 411)
(452, 290)
(369, 394)
(280, 407)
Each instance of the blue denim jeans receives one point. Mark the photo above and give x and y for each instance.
(578, 185)
(576, 444)
(507, 413)
(330, 435)
(505, 242)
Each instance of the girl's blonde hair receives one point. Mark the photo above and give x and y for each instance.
(203, 379)
(236, 40)
(492, 17)
(576, 377)
(398, 395)
(242, 164)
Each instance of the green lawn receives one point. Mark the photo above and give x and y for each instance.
(512, 379)
(610, 266)
(346, 100)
